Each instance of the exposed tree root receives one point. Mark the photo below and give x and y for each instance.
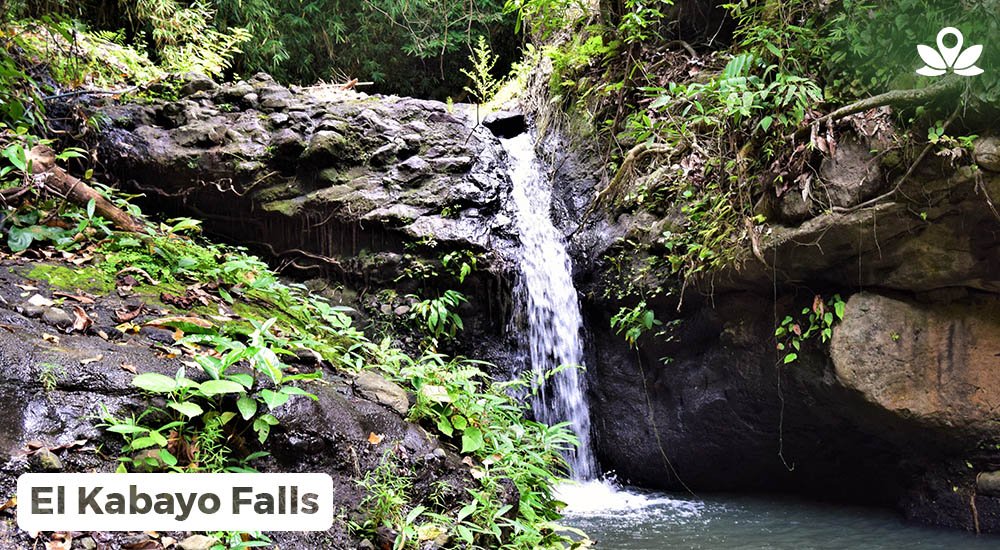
(54, 179)
(614, 190)
(895, 98)
(902, 179)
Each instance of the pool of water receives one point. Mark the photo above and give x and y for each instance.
(628, 519)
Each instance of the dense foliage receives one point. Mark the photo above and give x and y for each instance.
(400, 46)
(709, 111)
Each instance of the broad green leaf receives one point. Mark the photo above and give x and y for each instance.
(444, 426)
(216, 387)
(158, 438)
(186, 408)
(127, 429)
(437, 394)
(266, 360)
(790, 357)
(274, 399)
(18, 239)
(838, 308)
(466, 511)
(472, 440)
(244, 380)
(167, 458)
(247, 406)
(154, 382)
(295, 390)
(140, 443)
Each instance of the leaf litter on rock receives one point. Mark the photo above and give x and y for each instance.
(81, 321)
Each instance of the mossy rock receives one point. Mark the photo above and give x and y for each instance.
(86, 279)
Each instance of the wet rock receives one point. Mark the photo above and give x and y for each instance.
(45, 460)
(193, 83)
(134, 540)
(506, 124)
(287, 144)
(987, 153)
(380, 390)
(988, 483)
(57, 318)
(412, 168)
(32, 311)
(327, 146)
(307, 356)
(849, 177)
(156, 334)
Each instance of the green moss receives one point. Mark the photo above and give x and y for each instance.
(289, 207)
(88, 279)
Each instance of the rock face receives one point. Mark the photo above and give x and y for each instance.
(899, 408)
(312, 162)
(332, 182)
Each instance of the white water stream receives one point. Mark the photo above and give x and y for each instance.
(546, 301)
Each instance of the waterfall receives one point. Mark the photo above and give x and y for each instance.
(546, 302)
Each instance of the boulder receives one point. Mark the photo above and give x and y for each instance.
(375, 387)
(934, 365)
(506, 124)
(986, 152)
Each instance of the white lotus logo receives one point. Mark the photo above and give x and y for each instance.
(939, 61)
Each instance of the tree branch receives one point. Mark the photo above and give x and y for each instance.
(43, 165)
(895, 98)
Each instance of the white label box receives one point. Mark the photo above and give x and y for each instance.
(175, 502)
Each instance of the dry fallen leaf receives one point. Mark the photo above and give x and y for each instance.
(375, 438)
(77, 297)
(81, 321)
(124, 315)
(128, 368)
(60, 541)
(168, 541)
(90, 360)
(50, 338)
(165, 322)
(147, 544)
(26, 287)
(82, 259)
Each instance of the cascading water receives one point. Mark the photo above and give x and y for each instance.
(547, 311)
(546, 301)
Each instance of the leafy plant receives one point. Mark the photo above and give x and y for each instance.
(484, 84)
(438, 314)
(481, 416)
(634, 322)
(817, 320)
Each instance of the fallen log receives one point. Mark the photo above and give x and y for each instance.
(53, 178)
